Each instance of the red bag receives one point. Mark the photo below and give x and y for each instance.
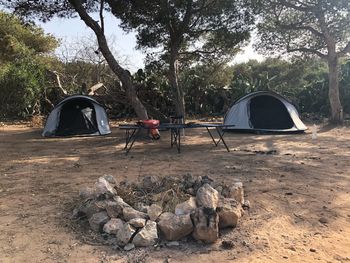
(152, 125)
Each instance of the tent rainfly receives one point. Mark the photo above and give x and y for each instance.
(77, 115)
(264, 111)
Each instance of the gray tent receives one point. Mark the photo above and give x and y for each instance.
(264, 111)
(77, 115)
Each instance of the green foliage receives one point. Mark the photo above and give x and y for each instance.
(206, 88)
(304, 26)
(199, 28)
(21, 89)
(23, 64)
(18, 40)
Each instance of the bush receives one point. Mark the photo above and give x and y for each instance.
(21, 89)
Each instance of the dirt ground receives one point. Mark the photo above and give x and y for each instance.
(289, 190)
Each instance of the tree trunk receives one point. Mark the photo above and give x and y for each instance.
(333, 93)
(176, 88)
(122, 74)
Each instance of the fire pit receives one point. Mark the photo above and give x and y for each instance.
(173, 209)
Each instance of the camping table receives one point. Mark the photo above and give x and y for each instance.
(133, 131)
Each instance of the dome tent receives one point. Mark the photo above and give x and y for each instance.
(77, 115)
(264, 111)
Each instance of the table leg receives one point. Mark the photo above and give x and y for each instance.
(221, 135)
(212, 137)
(175, 138)
(221, 138)
(130, 139)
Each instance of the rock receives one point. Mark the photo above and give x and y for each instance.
(207, 196)
(197, 184)
(207, 180)
(206, 222)
(154, 212)
(229, 212)
(86, 193)
(188, 180)
(173, 244)
(113, 226)
(190, 191)
(125, 234)
(227, 244)
(103, 189)
(141, 207)
(236, 192)
(323, 220)
(89, 208)
(312, 250)
(150, 182)
(225, 191)
(175, 227)
(110, 179)
(138, 222)
(114, 209)
(219, 188)
(186, 207)
(147, 236)
(131, 213)
(246, 205)
(129, 247)
(98, 220)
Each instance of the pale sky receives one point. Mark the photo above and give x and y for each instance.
(70, 30)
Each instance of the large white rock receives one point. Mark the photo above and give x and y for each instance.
(138, 222)
(114, 209)
(186, 207)
(124, 234)
(131, 213)
(207, 196)
(147, 236)
(154, 212)
(175, 227)
(113, 226)
(229, 211)
(236, 191)
(98, 220)
(206, 222)
(103, 187)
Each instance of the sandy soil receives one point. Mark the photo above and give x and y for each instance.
(289, 192)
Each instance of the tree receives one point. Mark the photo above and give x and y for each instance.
(24, 60)
(19, 40)
(195, 28)
(47, 9)
(311, 27)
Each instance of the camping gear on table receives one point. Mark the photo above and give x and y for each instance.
(77, 115)
(264, 111)
(152, 125)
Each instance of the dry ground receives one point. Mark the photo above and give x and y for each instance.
(289, 192)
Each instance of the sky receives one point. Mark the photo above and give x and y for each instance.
(71, 30)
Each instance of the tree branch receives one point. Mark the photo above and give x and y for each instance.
(308, 28)
(308, 50)
(345, 50)
(101, 16)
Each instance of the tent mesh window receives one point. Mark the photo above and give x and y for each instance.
(77, 117)
(267, 112)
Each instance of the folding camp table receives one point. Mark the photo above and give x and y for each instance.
(133, 131)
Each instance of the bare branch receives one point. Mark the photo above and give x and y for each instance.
(58, 80)
(94, 88)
